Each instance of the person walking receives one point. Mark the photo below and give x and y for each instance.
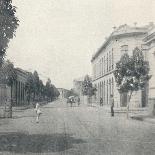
(101, 101)
(78, 101)
(38, 112)
(112, 105)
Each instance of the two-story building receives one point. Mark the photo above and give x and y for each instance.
(123, 39)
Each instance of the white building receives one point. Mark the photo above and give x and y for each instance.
(123, 39)
(62, 92)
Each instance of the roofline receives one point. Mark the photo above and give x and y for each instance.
(63, 89)
(111, 37)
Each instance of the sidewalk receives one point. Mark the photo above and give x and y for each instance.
(140, 114)
(122, 109)
(143, 117)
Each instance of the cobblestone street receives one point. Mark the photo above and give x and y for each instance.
(83, 130)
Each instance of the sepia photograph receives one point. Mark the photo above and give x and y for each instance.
(77, 77)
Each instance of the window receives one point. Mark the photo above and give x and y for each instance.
(100, 68)
(109, 61)
(104, 65)
(112, 86)
(112, 59)
(124, 49)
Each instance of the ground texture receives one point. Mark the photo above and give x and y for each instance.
(65, 130)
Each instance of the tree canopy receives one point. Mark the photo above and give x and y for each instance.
(87, 87)
(36, 90)
(8, 25)
(132, 73)
(8, 74)
(71, 92)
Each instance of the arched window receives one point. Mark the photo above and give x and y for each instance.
(124, 49)
(107, 92)
(109, 61)
(112, 86)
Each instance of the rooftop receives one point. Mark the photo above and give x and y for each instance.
(122, 31)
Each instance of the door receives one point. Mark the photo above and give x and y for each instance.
(123, 99)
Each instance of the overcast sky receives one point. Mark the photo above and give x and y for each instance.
(58, 37)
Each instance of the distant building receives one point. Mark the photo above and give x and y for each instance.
(77, 85)
(123, 39)
(62, 92)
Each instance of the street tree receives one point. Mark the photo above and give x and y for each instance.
(56, 92)
(51, 91)
(29, 86)
(10, 74)
(87, 87)
(9, 77)
(36, 84)
(132, 73)
(8, 25)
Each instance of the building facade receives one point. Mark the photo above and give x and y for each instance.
(62, 92)
(16, 92)
(123, 39)
(19, 94)
(149, 50)
(77, 87)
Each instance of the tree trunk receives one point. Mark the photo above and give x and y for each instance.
(128, 103)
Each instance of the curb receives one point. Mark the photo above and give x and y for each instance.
(144, 118)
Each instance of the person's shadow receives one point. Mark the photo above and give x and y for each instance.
(36, 143)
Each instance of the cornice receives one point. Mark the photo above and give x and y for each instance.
(117, 36)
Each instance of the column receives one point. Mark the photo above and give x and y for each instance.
(104, 93)
(21, 93)
(24, 93)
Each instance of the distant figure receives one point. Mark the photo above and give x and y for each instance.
(101, 101)
(71, 101)
(78, 101)
(112, 105)
(38, 112)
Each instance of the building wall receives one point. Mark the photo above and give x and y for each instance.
(62, 92)
(104, 64)
(18, 89)
(77, 86)
(151, 57)
(149, 50)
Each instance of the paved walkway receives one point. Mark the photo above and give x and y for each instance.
(83, 130)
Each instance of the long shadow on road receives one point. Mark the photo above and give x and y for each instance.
(24, 143)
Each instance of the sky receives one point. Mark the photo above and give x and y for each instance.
(58, 37)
